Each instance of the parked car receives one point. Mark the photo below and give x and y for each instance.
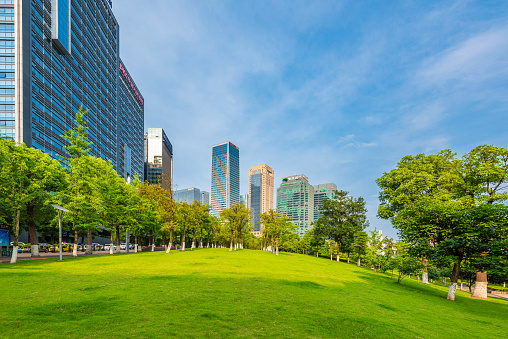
(122, 246)
(108, 246)
(44, 247)
(97, 247)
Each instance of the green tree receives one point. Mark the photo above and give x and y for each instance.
(342, 217)
(359, 245)
(28, 176)
(237, 219)
(276, 225)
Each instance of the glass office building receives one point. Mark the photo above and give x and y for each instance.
(261, 189)
(205, 198)
(58, 55)
(188, 195)
(225, 187)
(158, 155)
(322, 192)
(295, 198)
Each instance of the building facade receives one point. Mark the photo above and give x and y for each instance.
(188, 195)
(59, 55)
(322, 192)
(205, 198)
(295, 198)
(225, 185)
(261, 193)
(158, 158)
(244, 199)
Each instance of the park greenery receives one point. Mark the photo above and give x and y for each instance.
(449, 213)
(221, 294)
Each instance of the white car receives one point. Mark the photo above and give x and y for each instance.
(122, 246)
(108, 246)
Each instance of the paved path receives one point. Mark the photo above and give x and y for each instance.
(27, 256)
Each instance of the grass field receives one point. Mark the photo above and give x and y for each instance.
(214, 293)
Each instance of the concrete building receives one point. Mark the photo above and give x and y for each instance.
(188, 195)
(261, 193)
(225, 185)
(158, 157)
(295, 198)
(58, 55)
(322, 192)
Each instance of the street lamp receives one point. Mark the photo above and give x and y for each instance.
(60, 208)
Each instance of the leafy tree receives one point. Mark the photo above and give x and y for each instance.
(405, 262)
(433, 201)
(28, 176)
(237, 219)
(342, 217)
(276, 225)
(359, 245)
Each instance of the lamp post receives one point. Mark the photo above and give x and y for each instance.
(60, 210)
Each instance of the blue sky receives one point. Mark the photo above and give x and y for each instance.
(337, 90)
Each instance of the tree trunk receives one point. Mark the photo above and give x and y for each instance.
(231, 243)
(348, 257)
(425, 276)
(14, 257)
(111, 243)
(75, 249)
(135, 244)
(32, 233)
(117, 239)
(182, 239)
(454, 278)
(170, 241)
(277, 250)
(89, 239)
(359, 263)
(338, 251)
(201, 240)
(480, 287)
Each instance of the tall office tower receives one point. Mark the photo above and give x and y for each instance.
(205, 198)
(322, 192)
(158, 157)
(188, 195)
(295, 198)
(261, 189)
(225, 187)
(244, 199)
(58, 55)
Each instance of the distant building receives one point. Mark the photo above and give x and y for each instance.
(261, 191)
(225, 186)
(205, 198)
(295, 198)
(188, 195)
(322, 192)
(244, 199)
(158, 157)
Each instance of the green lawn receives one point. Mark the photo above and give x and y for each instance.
(214, 293)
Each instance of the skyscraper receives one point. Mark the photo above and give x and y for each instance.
(58, 55)
(225, 186)
(261, 189)
(158, 157)
(295, 198)
(322, 192)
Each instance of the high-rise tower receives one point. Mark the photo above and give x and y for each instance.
(58, 55)
(158, 157)
(322, 192)
(261, 187)
(295, 198)
(225, 188)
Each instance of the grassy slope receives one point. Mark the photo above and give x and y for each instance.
(241, 294)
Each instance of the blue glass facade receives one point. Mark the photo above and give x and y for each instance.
(188, 195)
(7, 85)
(255, 199)
(51, 84)
(225, 186)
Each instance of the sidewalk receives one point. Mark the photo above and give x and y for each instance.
(27, 256)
